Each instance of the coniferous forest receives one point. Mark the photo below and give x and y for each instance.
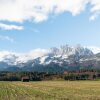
(42, 76)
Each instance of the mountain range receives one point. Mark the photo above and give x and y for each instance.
(54, 59)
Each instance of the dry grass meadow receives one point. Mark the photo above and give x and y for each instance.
(50, 90)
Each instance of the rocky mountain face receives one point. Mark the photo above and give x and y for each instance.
(51, 60)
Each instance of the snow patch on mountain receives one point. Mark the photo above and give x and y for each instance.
(94, 49)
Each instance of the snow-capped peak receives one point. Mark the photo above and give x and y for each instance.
(94, 49)
(69, 50)
(63, 52)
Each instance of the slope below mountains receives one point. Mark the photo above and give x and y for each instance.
(51, 60)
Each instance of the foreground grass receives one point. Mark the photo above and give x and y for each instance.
(50, 90)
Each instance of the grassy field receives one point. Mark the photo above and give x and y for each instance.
(50, 90)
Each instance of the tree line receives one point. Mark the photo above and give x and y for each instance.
(39, 76)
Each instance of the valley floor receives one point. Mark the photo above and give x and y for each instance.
(50, 90)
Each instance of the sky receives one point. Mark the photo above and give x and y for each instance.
(30, 24)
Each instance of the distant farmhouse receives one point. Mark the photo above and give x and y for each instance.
(25, 79)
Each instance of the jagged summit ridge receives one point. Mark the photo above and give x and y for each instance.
(63, 56)
(63, 51)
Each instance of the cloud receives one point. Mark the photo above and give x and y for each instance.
(32, 55)
(95, 9)
(93, 17)
(23, 57)
(7, 38)
(10, 27)
(40, 10)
